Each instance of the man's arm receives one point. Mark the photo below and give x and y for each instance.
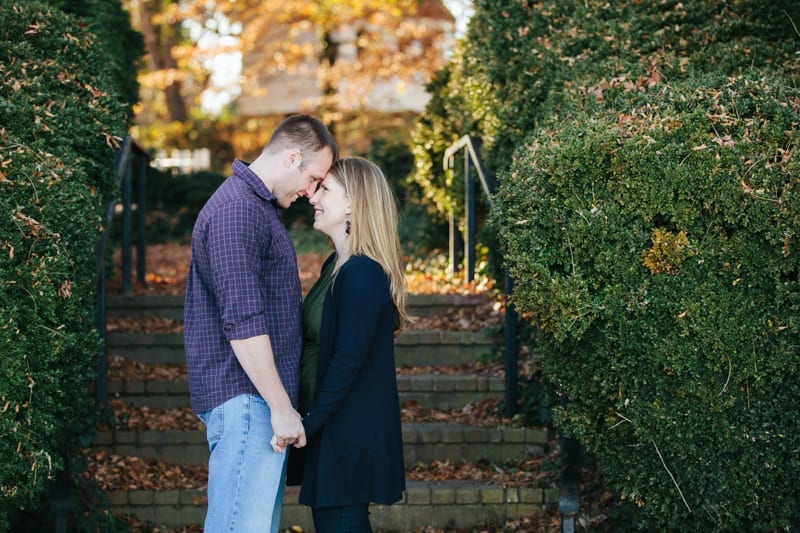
(256, 357)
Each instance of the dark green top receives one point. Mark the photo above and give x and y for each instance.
(312, 320)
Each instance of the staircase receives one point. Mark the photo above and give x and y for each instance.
(440, 505)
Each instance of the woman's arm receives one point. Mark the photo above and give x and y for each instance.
(361, 291)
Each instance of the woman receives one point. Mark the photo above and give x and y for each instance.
(354, 454)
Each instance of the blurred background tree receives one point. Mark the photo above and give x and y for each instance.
(220, 76)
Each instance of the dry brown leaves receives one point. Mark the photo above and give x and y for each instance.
(514, 473)
(142, 324)
(115, 472)
(467, 318)
(149, 419)
(484, 413)
(122, 369)
(478, 367)
(167, 267)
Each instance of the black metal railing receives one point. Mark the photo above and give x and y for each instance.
(131, 170)
(571, 452)
(473, 167)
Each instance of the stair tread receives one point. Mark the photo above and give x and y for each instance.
(445, 504)
(448, 384)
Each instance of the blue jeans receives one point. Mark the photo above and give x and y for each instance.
(344, 519)
(245, 476)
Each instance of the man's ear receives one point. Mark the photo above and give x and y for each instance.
(293, 158)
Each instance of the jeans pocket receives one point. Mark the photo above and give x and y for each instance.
(213, 421)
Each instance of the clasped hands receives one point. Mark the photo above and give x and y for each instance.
(287, 431)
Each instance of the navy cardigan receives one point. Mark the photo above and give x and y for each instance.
(355, 442)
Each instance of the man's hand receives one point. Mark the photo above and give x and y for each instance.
(256, 357)
(287, 428)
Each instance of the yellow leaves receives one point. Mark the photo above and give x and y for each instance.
(667, 253)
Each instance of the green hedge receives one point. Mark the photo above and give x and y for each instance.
(658, 253)
(646, 159)
(518, 60)
(60, 123)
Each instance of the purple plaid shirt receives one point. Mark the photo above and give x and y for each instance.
(243, 282)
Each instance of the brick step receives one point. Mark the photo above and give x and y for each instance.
(171, 306)
(412, 348)
(423, 442)
(431, 391)
(445, 504)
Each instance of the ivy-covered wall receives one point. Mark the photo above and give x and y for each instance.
(649, 213)
(63, 111)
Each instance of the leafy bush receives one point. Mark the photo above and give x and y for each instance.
(61, 122)
(657, 250)
(648, 214)
(173, 202)
(519, 59)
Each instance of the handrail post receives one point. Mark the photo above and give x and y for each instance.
(511, 349)
(100, 388)
(140, 219)
(469, 210)
(127, 230)
(456, 251)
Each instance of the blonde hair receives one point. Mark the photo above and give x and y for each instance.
(373, 223)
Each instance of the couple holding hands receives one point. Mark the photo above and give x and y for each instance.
(272, 374)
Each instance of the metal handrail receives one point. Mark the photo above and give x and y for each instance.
(471, 147)
(569, 491)
(130, 166)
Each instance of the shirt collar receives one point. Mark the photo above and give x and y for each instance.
(242, 170)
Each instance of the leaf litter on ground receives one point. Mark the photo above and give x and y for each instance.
(167, 266)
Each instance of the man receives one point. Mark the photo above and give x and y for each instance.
(242, 331)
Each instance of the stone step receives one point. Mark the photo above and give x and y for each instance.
(448, 391)
(171, 306)
(423, 442)
(432, 391)
(446, 504)
(412, 348)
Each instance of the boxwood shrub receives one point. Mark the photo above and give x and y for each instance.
(658, 251)
(646, 159)
(60, 123)
(518, 60)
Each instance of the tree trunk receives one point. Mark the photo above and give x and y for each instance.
(160, 58)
